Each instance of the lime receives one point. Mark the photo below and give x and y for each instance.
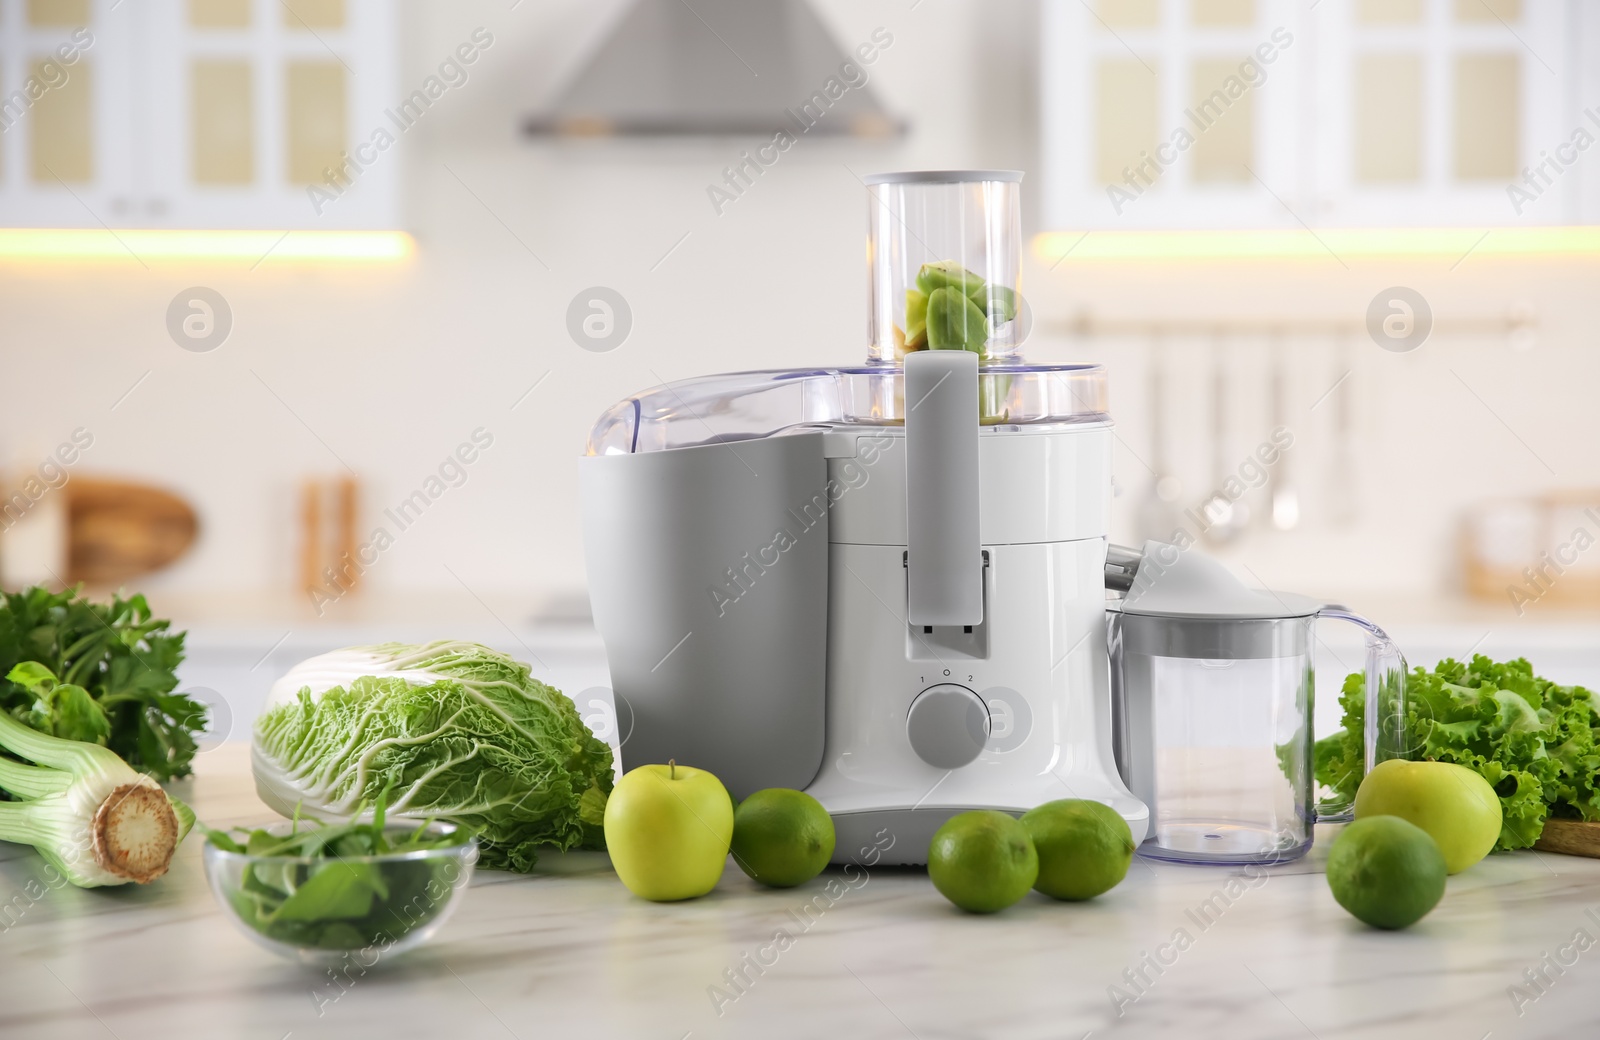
(1386, 871)
(982, 861)
(782, 837)
(1084, 847)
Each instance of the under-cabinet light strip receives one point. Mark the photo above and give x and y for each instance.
(166, 245)
(1330, 244)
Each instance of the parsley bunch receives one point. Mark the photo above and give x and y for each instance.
(124, 658)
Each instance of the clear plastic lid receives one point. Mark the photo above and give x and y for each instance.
(945, 256)
(743, 406)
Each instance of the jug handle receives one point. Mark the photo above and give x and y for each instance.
(1383, 708)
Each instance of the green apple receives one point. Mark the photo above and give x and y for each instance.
(668, 829)
(1455, 805)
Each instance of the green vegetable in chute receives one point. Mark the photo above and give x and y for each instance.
(461, 733)
(943, 274)
(916, 319)
(1532, 740)
(996, 301)
(954, 309)
(955, 322)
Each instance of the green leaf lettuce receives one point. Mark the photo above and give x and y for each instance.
(1531, 739)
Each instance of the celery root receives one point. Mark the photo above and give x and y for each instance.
(86, 811)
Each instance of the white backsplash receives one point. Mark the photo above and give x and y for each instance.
(389, 367)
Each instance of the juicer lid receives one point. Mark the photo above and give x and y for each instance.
(1179, 583)
(741, 406)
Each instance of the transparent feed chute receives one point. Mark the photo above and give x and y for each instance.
(944, 260)
(944, 264)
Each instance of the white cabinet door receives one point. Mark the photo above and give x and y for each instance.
(258, 102)
(65, 112)
(1428, 111)
(256, 114)
(1356, 113)
(1173, 113)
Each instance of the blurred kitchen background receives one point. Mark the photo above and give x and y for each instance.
(277, 274)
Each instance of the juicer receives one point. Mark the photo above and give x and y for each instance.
(884, 585)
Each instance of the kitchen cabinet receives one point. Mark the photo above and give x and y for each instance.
(63, 121)
(196, 113)
(1270, 113)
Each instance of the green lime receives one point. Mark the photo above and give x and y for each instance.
(1084, 847)
(982, 861)
(782, 837)
(1386, 871)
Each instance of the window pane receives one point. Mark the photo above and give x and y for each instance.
(313, 14)
(1126, 103)
(1222, 118)
(219, 14)
(223, 123)
(1389, 12)
(63, 124)
(1388, 117)
(1488, 100)
(1129, 14)
(58, 12)
(316, 119)
(1224, 12)
(1488, 10)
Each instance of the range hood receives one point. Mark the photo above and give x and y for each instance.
(713, 67)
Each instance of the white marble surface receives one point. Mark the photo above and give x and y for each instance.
(568, 952)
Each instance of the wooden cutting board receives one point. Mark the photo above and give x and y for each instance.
(118, 531)
(1570, 838)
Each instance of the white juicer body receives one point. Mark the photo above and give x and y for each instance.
(1026, 690)
(882, 584)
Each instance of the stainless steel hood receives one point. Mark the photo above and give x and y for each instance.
(712, 67)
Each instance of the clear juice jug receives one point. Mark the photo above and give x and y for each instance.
(1213, 688)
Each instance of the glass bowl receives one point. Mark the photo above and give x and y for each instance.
(358, 909)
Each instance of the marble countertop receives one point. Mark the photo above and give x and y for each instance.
(568, 952)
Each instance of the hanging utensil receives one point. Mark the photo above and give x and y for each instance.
(1158, 514)
(1285, 499)
(1342, 497)
(1227, 517)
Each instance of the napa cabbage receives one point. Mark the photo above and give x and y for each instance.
(452, 730)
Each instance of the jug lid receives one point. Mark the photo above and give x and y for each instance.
(1173, 582)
